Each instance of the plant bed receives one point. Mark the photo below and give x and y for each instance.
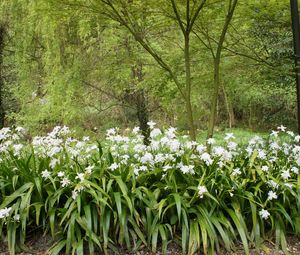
(121, 193)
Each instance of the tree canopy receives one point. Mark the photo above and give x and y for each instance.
(193, 64)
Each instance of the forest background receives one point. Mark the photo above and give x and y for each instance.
(197, 65)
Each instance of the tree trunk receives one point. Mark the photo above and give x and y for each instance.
(142, 115)
(2, 111)
(217, 61)
(141, 106)
(214, 100)
(229, 108)
(188, 103)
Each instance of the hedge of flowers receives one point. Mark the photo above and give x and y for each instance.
(124, 194)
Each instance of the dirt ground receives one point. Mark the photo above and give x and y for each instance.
(40, 244)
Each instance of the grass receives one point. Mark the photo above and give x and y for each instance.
(242, 135)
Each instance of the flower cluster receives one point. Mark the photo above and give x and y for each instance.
(72, 163)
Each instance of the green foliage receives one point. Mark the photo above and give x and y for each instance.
(75, 64)
(94, 198)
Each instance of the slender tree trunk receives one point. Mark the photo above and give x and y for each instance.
(142, 115)
(214, 100)
(141, 106)
(229, 108)
(217, 61)
(188, 103)
(2, 111)
(250, 117)
(138, 95)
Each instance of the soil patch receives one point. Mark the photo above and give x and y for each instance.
(39, 245)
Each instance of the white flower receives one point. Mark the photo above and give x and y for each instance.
(218, 151)
(273, 184)
(170, 133)
(4, 212)
(89, 169)
(297, 138)
(272, 159)
(125, 147)
(154, 145)
(281, 128)
(159, 158)
(54, 150)
(151, 124)
(33, 94)
(295, 170)
(17, 217)
(80, 176)
(174, 145)
(166, 167)
(221, 164)
(264, 214)
(155, 132)
(274, 146)
(274, 133)
(272, 195)
(113, 166)
(211, 141)
(232, 146)
(53, 162)
(74, 194)
(261, 154)
(201, 148)
(46, 174)
(187, 169)
(124, 159)
(265, 168)
(290, 133)
(85, 138)
(201, 191)
(206, 158)
(80, 145)
(190, 144)
(65, 182)
(236, 171)
(249, 151)
(285, 174)
(111, 132)
(147, 158)
(60, 174)
(17, 148)
(229, 136)
(91, 148)
(139, 148)
(135, 130)
(136, 170)
(143, 168)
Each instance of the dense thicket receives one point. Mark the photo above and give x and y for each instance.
(96, 64)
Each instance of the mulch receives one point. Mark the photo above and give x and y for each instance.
(38, 245)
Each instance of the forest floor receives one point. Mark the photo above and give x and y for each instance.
(39, 246)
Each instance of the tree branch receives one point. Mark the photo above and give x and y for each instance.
(178, 18)
(194, 17)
